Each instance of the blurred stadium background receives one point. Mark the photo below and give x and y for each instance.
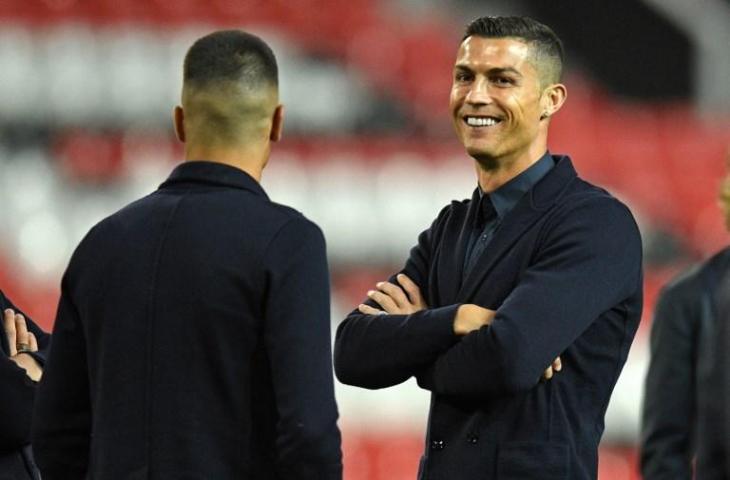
(87, 88)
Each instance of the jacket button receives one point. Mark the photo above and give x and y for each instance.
(437, 444)
(473, 439)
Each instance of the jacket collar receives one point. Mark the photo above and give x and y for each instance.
(506, 197)
(528, 210)
(202, 172)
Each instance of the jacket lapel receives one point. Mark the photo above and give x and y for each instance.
(527, 211)
(451, 258)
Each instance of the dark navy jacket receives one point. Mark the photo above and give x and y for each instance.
(563, 272)
(685, 377)
(193, 342)
(17, 393)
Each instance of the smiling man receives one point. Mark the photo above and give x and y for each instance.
(538, 264)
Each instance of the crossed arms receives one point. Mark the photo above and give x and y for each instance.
(588, 261)
(405, 298)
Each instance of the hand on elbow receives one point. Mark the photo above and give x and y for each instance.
(470, 317)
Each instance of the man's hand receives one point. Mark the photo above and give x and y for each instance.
(402, 299)
(470, 317)
(20, 342)
(556, 366)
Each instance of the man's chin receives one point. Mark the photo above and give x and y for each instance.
(485, 158)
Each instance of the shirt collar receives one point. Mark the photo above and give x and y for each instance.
(506, 197)
(212, 173)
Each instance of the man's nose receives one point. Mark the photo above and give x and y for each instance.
(478, 94)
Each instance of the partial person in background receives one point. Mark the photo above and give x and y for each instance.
(23, 349)
(193, 331)
(538, 264)
(681, 414)
(713, 450)
(720, 442)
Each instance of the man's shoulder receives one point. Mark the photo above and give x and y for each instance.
(694, 278)
(594, 204)
(586, 203)
(276, 214)
(584, 190)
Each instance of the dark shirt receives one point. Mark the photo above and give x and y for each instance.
(495, 206)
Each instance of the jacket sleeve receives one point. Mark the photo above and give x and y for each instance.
(62, 418)
(588, 262)
(669, 409)
(16, 401)
(298, 343)
(377, 351)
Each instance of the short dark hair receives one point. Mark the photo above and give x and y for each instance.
(233, 56)
(545, 43)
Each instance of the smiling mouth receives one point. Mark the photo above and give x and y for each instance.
(481, 121)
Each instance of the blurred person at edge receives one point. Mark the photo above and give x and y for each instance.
(24, 347)
(539, 264)
(680, 414)
(193, 331)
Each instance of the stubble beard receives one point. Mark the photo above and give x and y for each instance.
(486, 162)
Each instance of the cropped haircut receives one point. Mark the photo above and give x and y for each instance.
(546, 46)
(230, 56)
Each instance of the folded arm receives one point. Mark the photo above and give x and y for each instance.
(18, 374)
(587, 264)
(374, 350)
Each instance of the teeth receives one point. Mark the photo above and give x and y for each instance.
(481, 121)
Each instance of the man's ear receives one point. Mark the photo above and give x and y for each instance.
(277, 124)
(553, 99)
(178, 117)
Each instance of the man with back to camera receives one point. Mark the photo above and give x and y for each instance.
(193, 331)
(538, 264)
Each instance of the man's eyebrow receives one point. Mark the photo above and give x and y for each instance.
(491, 71)
(497, 71)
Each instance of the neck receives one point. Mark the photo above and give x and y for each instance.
(492, 173)
(251, 158)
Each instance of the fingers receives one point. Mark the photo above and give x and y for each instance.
(21, 330)
(395, 293)
(414, 293)
(402, 298)
(555, 367)
(557, 364)
(368, 310)
(32, 342)
(9, 325)
(384, 300)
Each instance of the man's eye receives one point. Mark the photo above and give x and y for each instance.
(462, 77)
(502, 81)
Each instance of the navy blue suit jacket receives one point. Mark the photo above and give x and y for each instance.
(563, 273)
(193, 342)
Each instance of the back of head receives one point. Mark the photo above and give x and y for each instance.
(230, 89)
(546, 47)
